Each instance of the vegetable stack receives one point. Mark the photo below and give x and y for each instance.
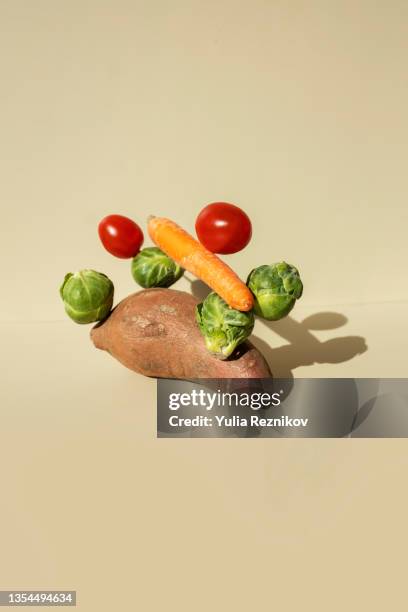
(225, 318)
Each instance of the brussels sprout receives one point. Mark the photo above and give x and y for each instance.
(276, 289)
(87, 296)
(153, 268)
(222, 327)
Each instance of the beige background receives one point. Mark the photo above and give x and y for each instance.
(294, 110)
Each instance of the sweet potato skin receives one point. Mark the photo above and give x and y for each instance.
(154, 333)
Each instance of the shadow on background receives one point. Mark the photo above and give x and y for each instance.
(199, 289)
(303, 348)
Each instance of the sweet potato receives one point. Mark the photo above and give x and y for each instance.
(154, 332)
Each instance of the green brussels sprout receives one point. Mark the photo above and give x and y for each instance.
(153, 268)
(276, 289)
(87, 296)
(223, 327)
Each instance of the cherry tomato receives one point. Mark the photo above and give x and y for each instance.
(120, 236)
(223, 228)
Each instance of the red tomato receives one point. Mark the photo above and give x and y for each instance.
(223, 228)
(120, 236)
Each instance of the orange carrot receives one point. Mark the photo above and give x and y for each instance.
(194, 257)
